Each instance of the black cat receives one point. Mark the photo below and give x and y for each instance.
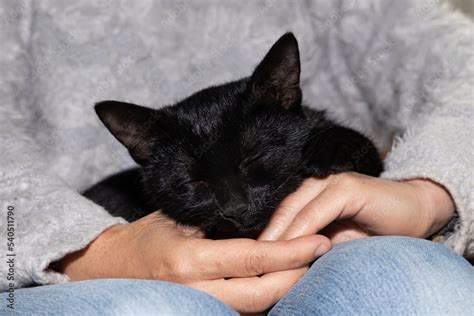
(226, 156)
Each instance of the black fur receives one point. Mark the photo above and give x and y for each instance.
(226, 156)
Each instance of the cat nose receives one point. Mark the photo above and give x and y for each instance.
(234, 214)
(236, 211)
(240, 208)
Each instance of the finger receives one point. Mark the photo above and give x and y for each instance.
(290, 206)
(320, 212)
(343, 230)
(251, 295)
(190, 231)
(246, 257)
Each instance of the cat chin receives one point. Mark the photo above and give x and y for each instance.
(216, 232)
(235, 234)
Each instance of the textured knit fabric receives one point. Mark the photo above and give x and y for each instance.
(400, 71)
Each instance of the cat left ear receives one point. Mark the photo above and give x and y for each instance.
(277, 78)
(132, 125)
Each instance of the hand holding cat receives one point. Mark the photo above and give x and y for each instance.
(367, 206)
(155, 247)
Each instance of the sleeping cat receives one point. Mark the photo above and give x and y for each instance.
(225, 157)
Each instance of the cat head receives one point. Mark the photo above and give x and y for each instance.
(226, 156)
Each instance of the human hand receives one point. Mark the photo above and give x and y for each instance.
(351, 205)
(155, 247)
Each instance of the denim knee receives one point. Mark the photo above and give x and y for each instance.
(118, 297)
(384, 275)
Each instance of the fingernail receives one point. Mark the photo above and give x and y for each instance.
(321, 250)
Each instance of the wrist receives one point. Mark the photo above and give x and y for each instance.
(435, 202)
(97, 260)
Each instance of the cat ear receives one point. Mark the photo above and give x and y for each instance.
(277, 77)
(132, 125)
(338, 149)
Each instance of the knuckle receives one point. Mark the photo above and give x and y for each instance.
(306, 217)
(177, 267)
(164, 268)
(344, 188)
(183, 267)
(311, 181)
(346, 181)
(293, 258)
(340, 185)
(291, 200)
(283, 215)
(258, 299)
(254, 261)
(284, 207)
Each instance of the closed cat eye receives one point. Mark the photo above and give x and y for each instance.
(195, 182)
(248, 161)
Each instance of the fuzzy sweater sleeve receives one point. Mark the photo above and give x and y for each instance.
(47, 219)
(404, 72)
(437, 142)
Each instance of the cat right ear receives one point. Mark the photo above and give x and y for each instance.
(132, 125)
(276, 80)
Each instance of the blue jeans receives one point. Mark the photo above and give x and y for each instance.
(371, 276)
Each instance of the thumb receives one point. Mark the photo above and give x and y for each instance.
(290, 207)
